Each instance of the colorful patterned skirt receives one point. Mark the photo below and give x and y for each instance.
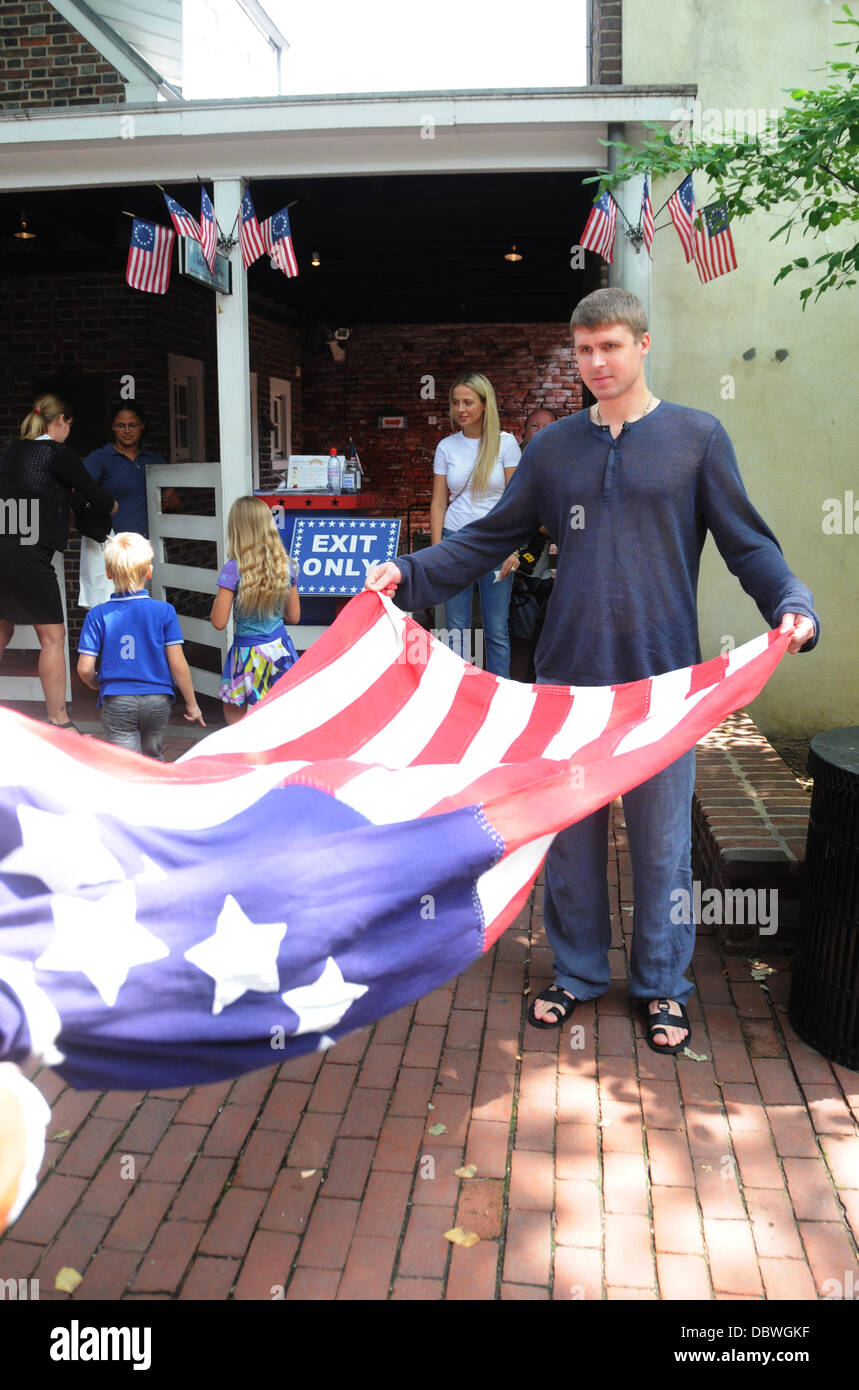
(254, 663)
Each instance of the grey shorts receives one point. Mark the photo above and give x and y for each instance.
(136, 721)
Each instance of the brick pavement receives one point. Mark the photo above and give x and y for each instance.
(602, 1170)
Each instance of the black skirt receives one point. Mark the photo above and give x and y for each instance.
(29, 591)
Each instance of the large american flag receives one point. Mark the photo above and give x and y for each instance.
(278, 242)
(714, 245)
(149, 255)
(251, 240)
(600, 227)
(208, 230)
(185, 224)
(359, 838)
(681, 206)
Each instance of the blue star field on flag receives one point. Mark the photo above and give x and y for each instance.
(160, 959)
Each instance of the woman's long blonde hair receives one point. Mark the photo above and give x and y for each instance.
(253, 542)
(490, 440)
(45, 411)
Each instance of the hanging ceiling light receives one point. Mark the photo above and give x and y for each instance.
(314, 259)
(23, 233)
(512, 255)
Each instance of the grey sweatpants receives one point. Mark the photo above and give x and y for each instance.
(136, 722)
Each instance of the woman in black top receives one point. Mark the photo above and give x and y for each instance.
(37, 476)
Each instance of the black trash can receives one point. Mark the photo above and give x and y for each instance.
(824, 996)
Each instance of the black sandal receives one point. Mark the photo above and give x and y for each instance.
(71, 725)
(661, 1020)
(561, 1003)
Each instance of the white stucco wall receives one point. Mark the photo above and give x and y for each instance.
(795, 422)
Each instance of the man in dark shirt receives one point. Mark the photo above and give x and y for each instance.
(629, 490)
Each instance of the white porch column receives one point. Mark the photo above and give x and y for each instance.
(234, 383)
(630, 269)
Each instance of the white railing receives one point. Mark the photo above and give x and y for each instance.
(181, 526)
(24, 639)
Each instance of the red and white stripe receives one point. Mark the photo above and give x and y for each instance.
(391, 722)
(251, 241)
(599, 231)
(150, 270)
(647, 216)
(283, 255)
(714, 256)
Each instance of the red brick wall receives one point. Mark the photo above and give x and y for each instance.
(275, 352)
(45, 62)
(529, 365)
(606, 51)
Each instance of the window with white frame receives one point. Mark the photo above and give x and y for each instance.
(187, 436)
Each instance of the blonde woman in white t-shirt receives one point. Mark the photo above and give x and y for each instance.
(471, 470)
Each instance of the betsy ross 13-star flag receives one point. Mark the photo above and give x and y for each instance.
(714, 245)
(148, 265)
(185, 224)
(600, 227)
(278, 242)
(363, 835)
(366, 832)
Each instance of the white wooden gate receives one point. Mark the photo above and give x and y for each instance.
(186, 526)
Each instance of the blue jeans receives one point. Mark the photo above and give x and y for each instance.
(576, 906)
(495, 607)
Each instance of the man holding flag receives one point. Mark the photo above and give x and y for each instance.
(629, 489)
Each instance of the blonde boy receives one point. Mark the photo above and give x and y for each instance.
(139, 643)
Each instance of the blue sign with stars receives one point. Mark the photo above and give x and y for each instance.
(334, 553)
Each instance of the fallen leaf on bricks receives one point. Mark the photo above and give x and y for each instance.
(458, 1236)
(430, 1105)
(467, 1172)
(61, 1134)
(695, 1056)
(307, 1172)
(437, 1129)
(67, 1280)
(706, 1167)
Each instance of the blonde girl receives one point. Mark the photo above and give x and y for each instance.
(471, 470)
(256, 585)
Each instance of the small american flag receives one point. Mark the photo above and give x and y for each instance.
(646, 216)
(149, 256)
(714, 245)
(251, 239)
(681, 206)
(278, 237)
(363, 835)
(185, 224)
(208, 230)
(600, 227)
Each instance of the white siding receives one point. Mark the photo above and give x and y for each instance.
(155, 32)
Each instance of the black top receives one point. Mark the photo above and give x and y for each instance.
(44, 471)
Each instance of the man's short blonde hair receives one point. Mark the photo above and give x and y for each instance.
(127, 558)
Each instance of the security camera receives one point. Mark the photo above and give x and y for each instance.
(342, 334)
(337, 352)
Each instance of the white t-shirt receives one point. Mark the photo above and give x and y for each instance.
(455, 458)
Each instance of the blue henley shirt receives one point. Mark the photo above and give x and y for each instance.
(629, 517)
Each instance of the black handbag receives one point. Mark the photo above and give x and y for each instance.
(90, 520)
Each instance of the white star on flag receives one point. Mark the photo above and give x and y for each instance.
(101, 940)
(321, 1006)
(241, 955)
(65, 852)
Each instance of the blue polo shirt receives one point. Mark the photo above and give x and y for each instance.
(124, 479)
(131, 633)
